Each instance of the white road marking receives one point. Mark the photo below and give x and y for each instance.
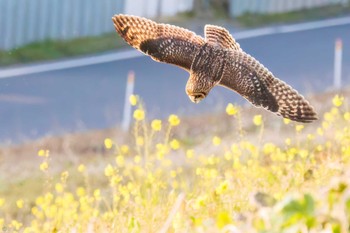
(79, 62)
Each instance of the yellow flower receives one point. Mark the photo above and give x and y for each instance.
(286, 121)
(137, 159)
(189, 154)
(175, 144)
(228, 155)
(231, 110)
(173, 173)
(40, 201)
(51, 211)
(64, 176)
(139, 114)
(335, 111)
(120, 160)
(2, 202)
(96, 213)
(257, 120)
(201, 201)
(43, 153)
(59, 187)
(140, 141)
(97, 194)
(299, 128)
(216, 141)
(325, 125)
(303, 153)
(235, 148)
(161, 150)
(223, 219)
(133, 100)
(197, 222)
(328, 117)
(222, 188)
(347, 116)
(269, 148)
(338, 100)
(310, 137)
(20, 203)
(115, 180)
(109, 170)
(81, 168)
(124, 149)
(80, 191)
(156, 125)
(320, 131)
(211, 173)
(288, 141)
(108, 143)
(175, 184)
(44, 166)
(174, 120)
(16, 225)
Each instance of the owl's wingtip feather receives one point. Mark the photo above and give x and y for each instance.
(308, 116)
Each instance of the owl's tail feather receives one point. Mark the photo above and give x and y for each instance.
(134, 30)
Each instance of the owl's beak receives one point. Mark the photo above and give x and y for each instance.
(196, 97)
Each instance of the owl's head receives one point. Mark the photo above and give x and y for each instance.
(198, 86)
(206, 71)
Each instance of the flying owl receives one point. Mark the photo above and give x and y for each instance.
(214, 60)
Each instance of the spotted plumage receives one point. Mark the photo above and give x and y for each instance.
(216, 60)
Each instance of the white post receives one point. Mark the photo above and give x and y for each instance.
(127, 106)
(338, 63)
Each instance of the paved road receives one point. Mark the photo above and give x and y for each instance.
(91, 97)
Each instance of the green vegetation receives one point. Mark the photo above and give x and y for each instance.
(255, 20)
(49, 49)
(156, 182)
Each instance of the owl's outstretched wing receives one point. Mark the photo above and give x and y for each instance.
(219, 36)
(163, 42)
(253, 81)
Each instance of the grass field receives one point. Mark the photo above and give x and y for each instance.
(56, 49)
(169, 176)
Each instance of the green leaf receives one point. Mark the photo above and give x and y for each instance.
(298, 210)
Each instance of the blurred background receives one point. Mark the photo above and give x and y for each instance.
(63, 68)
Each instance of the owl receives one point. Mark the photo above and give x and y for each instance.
(214, 60)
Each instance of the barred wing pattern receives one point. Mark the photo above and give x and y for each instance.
(258, 85)
(221, 37)
(163, 42)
